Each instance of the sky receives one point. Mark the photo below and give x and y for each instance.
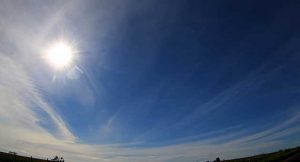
(162, 81)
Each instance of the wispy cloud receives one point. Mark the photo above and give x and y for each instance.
(24, 109)
(21, 104)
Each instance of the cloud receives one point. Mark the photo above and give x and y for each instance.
(24, 109)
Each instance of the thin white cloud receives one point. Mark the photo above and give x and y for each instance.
(21, 132)
(22, 105)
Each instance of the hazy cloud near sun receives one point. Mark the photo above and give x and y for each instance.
(21, 104)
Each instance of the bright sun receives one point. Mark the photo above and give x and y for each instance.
(60, 55)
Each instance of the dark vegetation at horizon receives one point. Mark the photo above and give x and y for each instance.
(13, 157)
(278, 156)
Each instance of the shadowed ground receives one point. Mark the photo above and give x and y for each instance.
(288, 155)
(295, 158)
(6, 157)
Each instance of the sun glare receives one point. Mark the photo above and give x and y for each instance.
(60, 55)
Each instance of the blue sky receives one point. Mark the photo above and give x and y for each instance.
(153, 80)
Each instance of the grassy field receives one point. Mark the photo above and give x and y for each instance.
(6, 157)
(278, 156)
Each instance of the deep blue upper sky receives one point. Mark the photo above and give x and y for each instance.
(151, 74)
(172, 70)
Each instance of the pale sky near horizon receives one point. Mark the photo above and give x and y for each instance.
(151, 80)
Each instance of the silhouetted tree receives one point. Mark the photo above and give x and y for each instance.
(217, 159)
(55, 158)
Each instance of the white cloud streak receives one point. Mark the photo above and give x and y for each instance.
(22, 107)
(21, 104)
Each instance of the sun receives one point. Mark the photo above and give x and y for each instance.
(60, 55)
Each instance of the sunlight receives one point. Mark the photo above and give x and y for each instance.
(60, 55)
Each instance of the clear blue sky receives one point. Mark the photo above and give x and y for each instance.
(159, 80)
